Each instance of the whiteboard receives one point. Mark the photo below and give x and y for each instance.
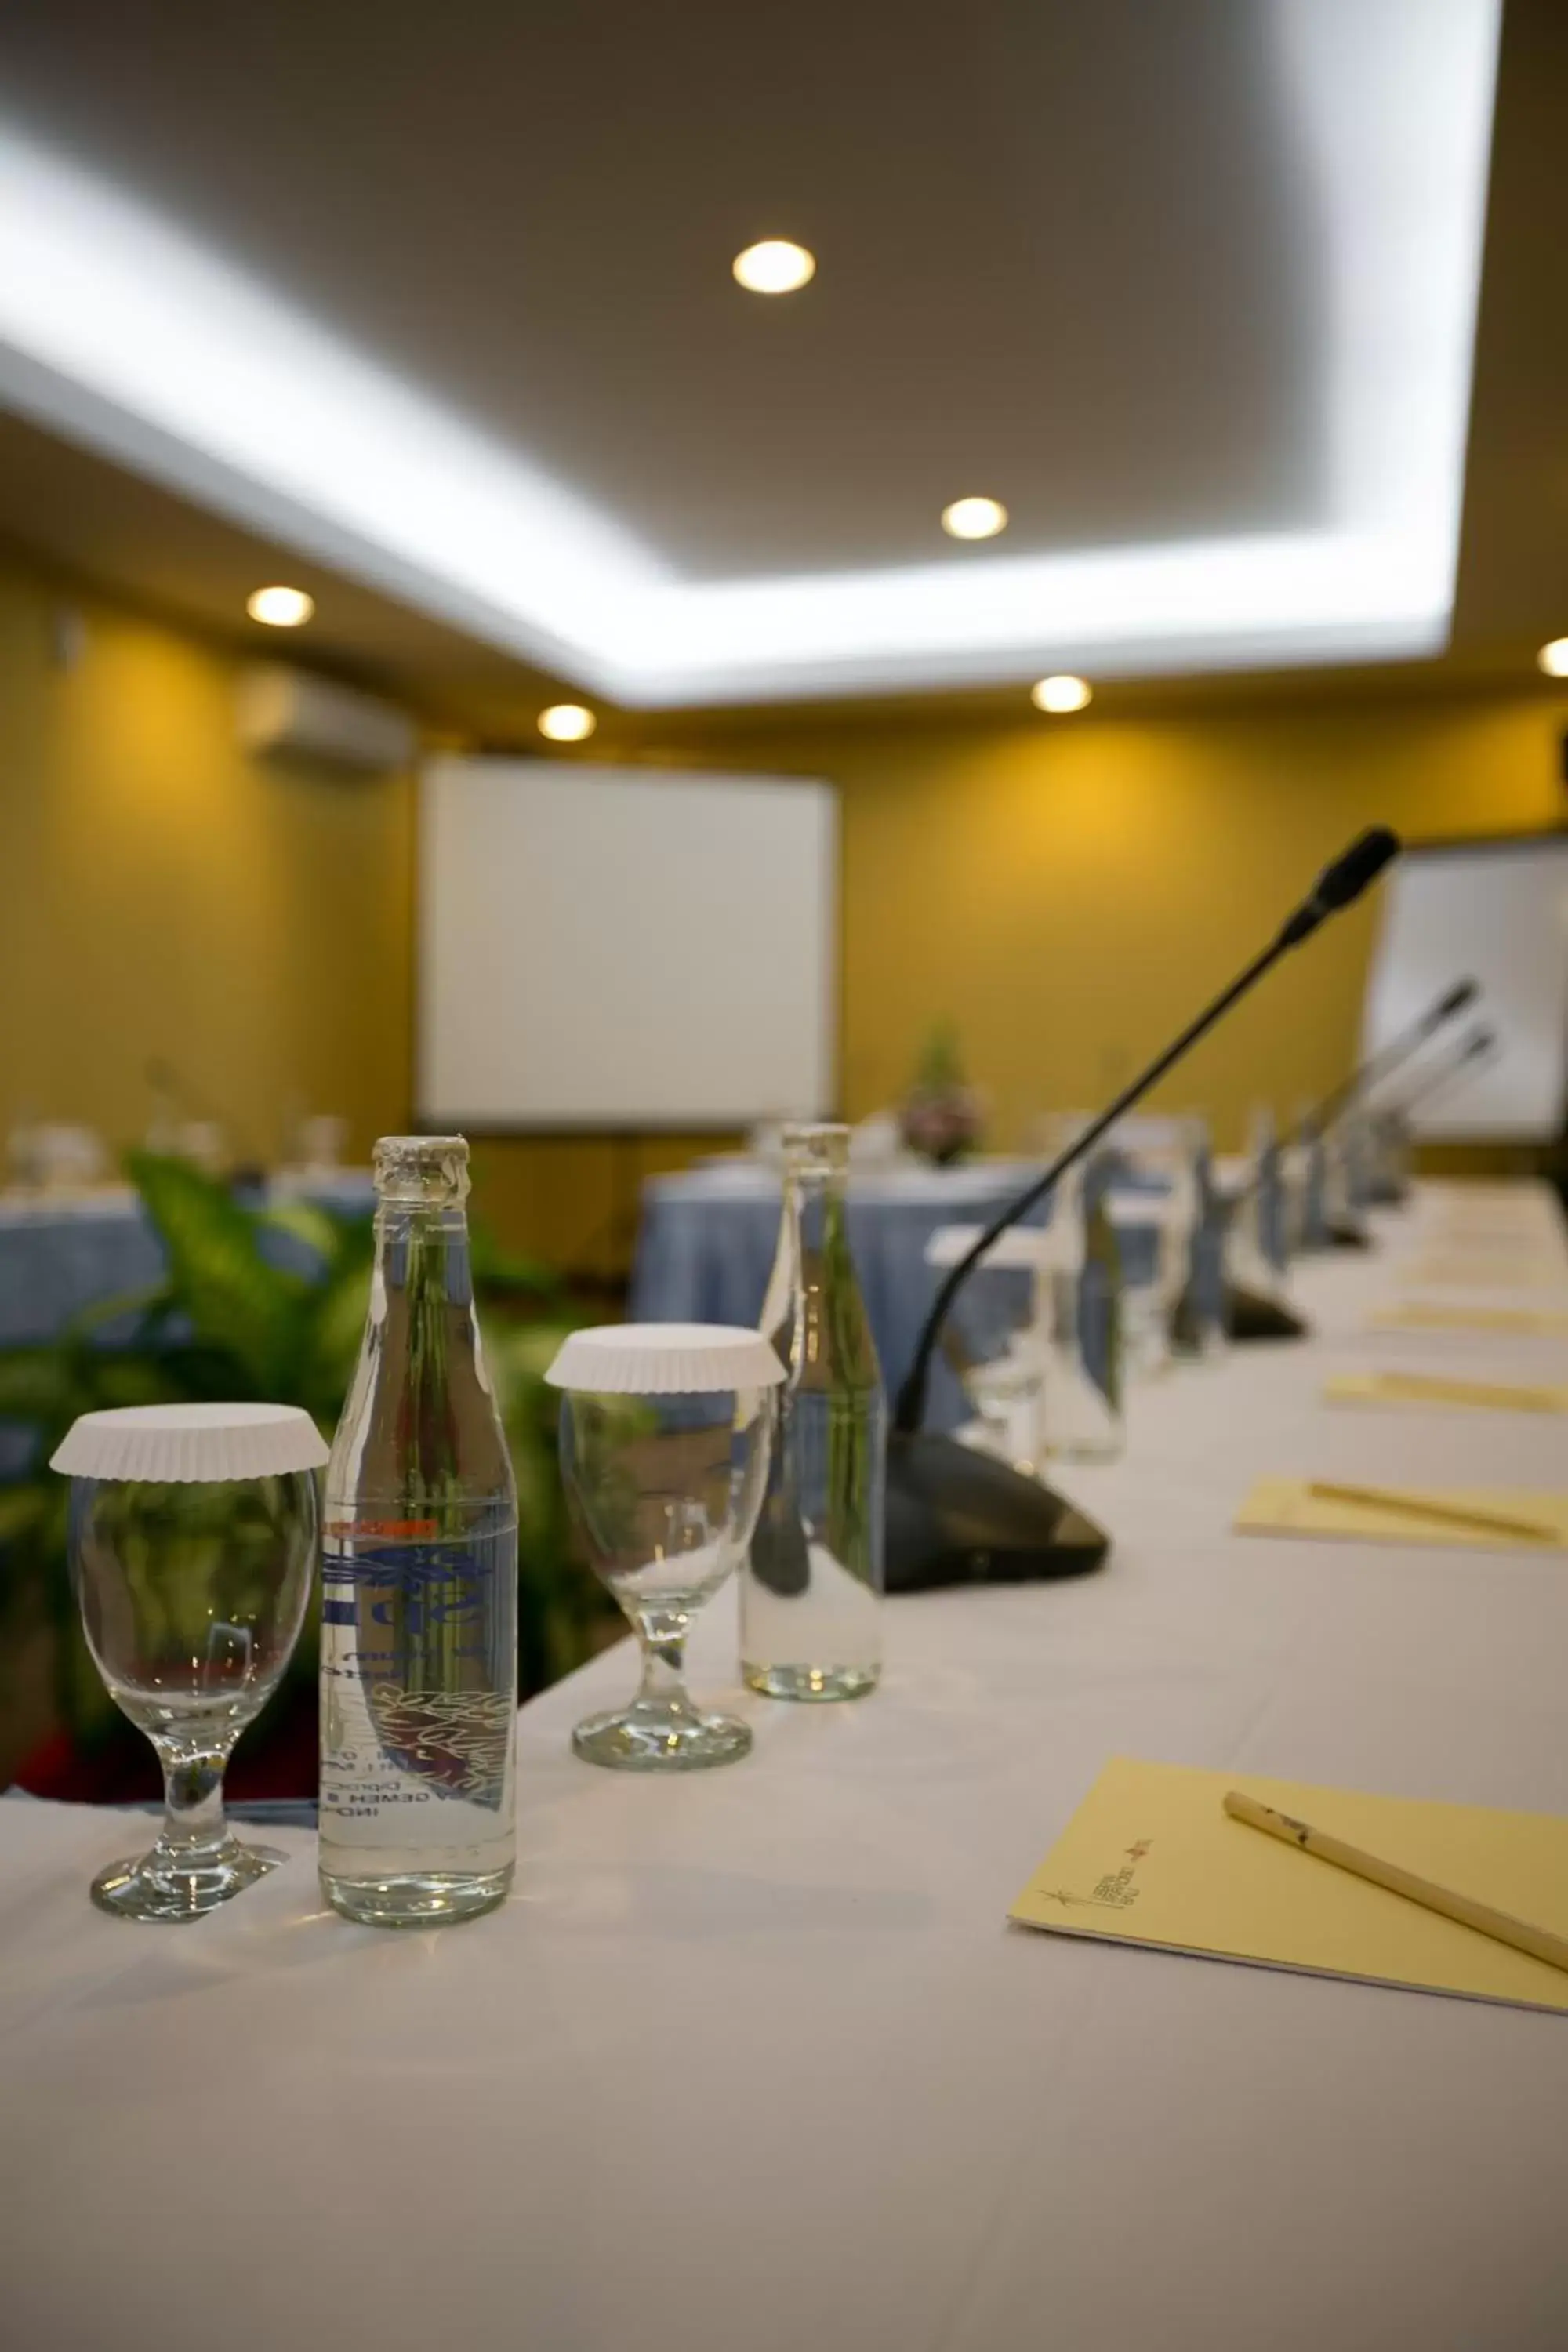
(624, 948)
(1498, 909)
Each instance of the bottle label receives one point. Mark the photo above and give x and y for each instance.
(419, 1662)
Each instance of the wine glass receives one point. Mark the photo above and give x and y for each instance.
(994, 1339)
(665, 1437)
(192, 1589)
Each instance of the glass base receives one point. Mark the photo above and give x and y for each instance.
(812, 1683)
(661, 1736)
(154, 1886)
(419, 1898)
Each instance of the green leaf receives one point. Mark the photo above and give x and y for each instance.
(333, 1340)
(232, 1297)
(35, 1384)
(23, 1512)
(500, 1270)
(306, 1222)
(120, 1377)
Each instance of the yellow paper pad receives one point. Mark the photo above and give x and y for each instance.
(1416, 1317)
(1528, 1240)
(1477, 1274)
(1149, 1858)
(1419, 1388)
(1287, 1507)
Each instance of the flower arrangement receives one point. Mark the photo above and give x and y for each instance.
(941, 1117)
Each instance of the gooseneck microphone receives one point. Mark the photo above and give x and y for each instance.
(1478, 1047)
(1387, 1059)
(1336, 887)
(1258, 1319)
(957, 1516)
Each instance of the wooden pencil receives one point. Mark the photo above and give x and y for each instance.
(1503, 1929)
(1451, 1515)
(1491, 1392)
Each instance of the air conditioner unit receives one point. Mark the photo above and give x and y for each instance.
(282, 711)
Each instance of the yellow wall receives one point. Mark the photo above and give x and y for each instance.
(164, 895)
(1066, 890)
(1063, 891)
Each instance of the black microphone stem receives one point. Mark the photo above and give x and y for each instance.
(911, 1396)
(1389, 1057)
(1478, 1050)
(1336, 887)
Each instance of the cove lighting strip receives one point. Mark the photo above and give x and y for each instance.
(123, 332)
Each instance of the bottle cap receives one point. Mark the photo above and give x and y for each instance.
(422, 1168)
(664, 1359)
(827, 1142)
(187, 1444)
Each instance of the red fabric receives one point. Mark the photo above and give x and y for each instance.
(276, 1758)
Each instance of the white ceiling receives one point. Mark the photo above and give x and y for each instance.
(447, 304)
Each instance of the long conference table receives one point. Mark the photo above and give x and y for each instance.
(754, 2059)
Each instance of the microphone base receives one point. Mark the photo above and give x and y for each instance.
(1337, 1237)
(1250, 1316)
(959, 1517)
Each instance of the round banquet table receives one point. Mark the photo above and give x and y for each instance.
(753, 2057)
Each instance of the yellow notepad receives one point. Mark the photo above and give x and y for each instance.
(1476, 1274)
(1287, 1507)
(1415, 1316)
(1530, 1240)
(1149, 1858)
(1427, 1388)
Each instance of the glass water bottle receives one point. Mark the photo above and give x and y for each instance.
(811, 1591)
(419, 1578)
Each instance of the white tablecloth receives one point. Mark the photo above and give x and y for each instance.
(752, 2059)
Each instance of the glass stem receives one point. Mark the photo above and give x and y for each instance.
(662, 1633)
(195, 1830)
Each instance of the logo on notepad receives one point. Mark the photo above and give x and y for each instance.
(1117, 1891)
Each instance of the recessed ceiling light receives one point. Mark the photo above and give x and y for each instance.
(774, 267)
(1553, 658)
(280, 608)
(567, 722)
(157, 339)
(974, 518)
(1061, 693)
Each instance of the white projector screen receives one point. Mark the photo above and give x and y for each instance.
(623, 947)
(1499, 910)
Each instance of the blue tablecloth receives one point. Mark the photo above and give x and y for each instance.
(58, 1257)
(55, 1259)
(707, 1239)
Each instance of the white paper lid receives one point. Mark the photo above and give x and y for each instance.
(664, 1359)
(1136, 1210)
(1030, 1246)
(187, 1443)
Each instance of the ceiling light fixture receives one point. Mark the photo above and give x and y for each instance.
(280, 608)
(774, 267)
(974, 518)
(124, 329)
(567, 722)
(1062, 694)
(1553, 658)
